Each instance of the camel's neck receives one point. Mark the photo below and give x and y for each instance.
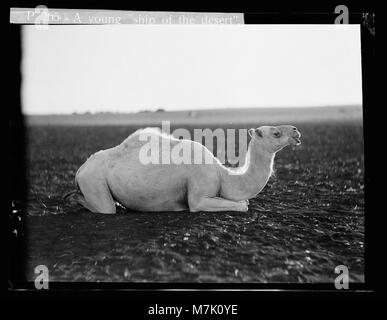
(247, 181)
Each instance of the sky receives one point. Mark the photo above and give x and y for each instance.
(130, 68)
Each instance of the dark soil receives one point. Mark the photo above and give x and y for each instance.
(307, 220)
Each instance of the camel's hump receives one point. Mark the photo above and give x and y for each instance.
(144, 135)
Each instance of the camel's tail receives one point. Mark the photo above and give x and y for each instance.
(73, 192)
(69, 194)
(76, 197)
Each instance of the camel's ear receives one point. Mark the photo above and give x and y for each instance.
(258, 132)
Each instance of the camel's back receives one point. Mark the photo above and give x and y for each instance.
(151, 146)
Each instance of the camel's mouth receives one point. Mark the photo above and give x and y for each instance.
(296, 140)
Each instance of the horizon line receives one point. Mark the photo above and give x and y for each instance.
(155, 110)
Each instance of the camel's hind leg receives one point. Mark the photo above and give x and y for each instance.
(96, 193)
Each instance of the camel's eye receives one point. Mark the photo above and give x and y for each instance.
(277, 134)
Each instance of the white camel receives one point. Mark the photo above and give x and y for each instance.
(117, 175)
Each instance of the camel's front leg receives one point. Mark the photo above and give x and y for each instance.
(216, 204)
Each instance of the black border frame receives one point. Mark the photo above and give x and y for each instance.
(289, 14)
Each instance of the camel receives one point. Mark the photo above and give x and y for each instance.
(117, 175)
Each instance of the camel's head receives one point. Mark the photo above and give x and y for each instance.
(275, 138)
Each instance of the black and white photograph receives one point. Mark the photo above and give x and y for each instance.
(193, 154)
